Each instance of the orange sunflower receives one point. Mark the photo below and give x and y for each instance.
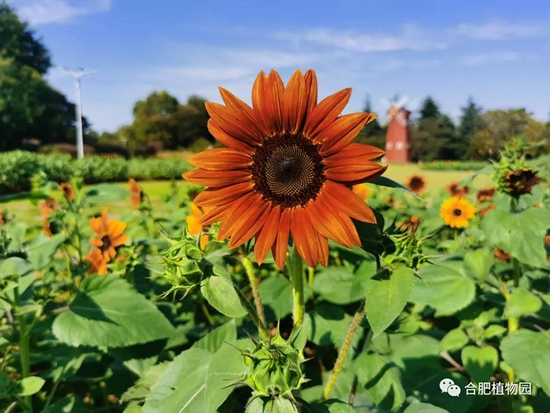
(416, 183)
(194, 226)
(457, 212)
(110, 235)
(362, 190)
(47, 207)
(455, 189)
(287, 169)
(136, 193)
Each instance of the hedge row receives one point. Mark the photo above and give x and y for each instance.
(453, 165)
(17, 168)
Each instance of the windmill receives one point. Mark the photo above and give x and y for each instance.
(397, 135)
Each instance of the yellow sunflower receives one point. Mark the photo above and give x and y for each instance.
(287, 169)
(362, 190)
(457, 212)
(194, 226)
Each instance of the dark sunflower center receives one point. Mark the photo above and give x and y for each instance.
(106, 243)
(457, 212)
(288, 170)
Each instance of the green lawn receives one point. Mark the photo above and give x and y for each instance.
(23, 209)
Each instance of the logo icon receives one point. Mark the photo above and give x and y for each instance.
(448, 386)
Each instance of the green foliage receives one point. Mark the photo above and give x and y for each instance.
(18, 167)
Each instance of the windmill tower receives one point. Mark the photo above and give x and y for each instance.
(398, 133)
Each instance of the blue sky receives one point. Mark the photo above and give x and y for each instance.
(496, 51)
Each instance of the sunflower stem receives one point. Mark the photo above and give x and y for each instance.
(345, 349)
(310, 274)
(253, 314)
(249, 268)
(513, 322)
(297, 279)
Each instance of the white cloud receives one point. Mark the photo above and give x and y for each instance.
(501, 30)
(411, 38)
(38, 12)
(493, 57)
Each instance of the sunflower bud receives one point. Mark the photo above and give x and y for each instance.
(274, 368)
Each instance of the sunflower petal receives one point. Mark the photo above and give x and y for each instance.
(233, 102)
(303, 236)
(311, 89)
(326, 112)
(294, 103)
(231, 212)
(216, 179)
(222, 196)
(280, 246)
(327, 224)
(267, 235)
(348, 202)
(234, 122)
(226, 139)
(243, 233)
(214, 215)
(342, 132)
(267, 101)
(220, 159)
(355, 151)
(362, 171)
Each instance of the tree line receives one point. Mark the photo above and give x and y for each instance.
(31, 110)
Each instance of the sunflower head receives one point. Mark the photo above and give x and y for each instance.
(286, 169)
(110, 234)
(457, 212)
(455, 189)
(519, 181)
(362, 190)
(485, 195)
(98, 262)
(136, 193)
(416, 183)
(68, 191)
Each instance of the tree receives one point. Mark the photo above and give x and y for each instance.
(372, 133)
(469, 125)
(497, 127)
(429, 109)
(19, 43)
(157, 103)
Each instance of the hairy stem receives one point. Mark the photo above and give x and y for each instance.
(345, 349)
(253, 314)
(297, 279)
(24, 347)
(249, 268)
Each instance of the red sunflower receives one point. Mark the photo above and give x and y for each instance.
(287, 170)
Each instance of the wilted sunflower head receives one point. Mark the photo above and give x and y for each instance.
(416, 183)
(455, 189)
(519, 181)
(485, 195)
(457, 212)
(286, 170)
(68, 190)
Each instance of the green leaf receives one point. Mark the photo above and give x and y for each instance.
(276, 295)
(339, 285)
(42, 249)
(504, 229)
(220, 294)
(390, 183)
(31, 385)
(107, 312)
(444, 287)
(386, 297)
(215, 338)
(495, 330)
(107, 193)
(454, 340)
(424, 408)
(521, 302)
(528, 353)
(327, 325)
(478, 263)
(331, 406)
(14, 266)
(381, 379)
(181, 386)
(480, 363)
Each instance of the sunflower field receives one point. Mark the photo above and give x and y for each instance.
(286, 273)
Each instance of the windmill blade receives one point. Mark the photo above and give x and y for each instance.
(385, 103)
(401, 102)
(413, 104)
